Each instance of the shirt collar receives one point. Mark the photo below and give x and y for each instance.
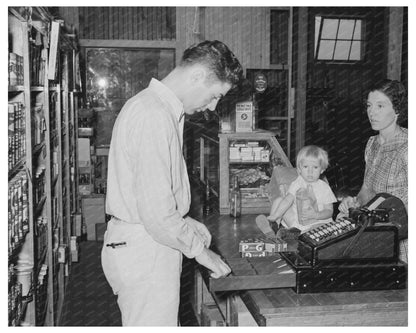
(399, 138)
(169, 97)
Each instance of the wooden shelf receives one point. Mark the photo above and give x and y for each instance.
(16, 168)
(57, 147)
(37, 89)
(16, 89)
(248, 162)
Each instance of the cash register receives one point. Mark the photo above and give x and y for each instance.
(357, 252)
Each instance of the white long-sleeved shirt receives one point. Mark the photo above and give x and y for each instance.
(147, 177)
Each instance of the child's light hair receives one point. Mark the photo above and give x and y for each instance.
(313, 151)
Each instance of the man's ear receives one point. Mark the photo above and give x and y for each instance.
(198, 75)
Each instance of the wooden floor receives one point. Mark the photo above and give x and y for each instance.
(89, 300)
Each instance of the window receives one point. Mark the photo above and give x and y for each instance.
(339, 39)
(115, 75)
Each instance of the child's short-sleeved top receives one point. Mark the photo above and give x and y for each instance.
(323, 194)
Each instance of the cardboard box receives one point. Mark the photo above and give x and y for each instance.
(251, 245)
(84, 157)
(100, 229)
(93, 211)
(75, 255)
(211, 316)
(244, 117)
(255, 254)
(85, 189)
(78, 224)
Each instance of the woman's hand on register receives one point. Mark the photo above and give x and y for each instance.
(348, 202)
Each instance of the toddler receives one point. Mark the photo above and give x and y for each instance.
(309, 200)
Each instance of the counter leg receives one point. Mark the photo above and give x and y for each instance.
(231, 311)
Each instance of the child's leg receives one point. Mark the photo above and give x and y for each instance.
(290, 218)
(273, 209)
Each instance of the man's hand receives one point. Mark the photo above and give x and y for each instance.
(213, 262)
(200, 229)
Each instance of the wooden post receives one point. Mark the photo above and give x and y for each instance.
(301, 76)
(395, 41)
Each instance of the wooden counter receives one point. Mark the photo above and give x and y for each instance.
(283, 307)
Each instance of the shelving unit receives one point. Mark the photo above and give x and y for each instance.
(253, 168)
(277, 116)
(42, 189)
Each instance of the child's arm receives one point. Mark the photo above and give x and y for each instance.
(280, 206)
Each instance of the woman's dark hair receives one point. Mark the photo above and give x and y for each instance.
(217, 57)
(396, 92)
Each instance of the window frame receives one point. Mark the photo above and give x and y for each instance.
(318, 38)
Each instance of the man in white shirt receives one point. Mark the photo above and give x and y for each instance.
(148, 192)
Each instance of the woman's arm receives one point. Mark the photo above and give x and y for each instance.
(364, 196)
(353, 202)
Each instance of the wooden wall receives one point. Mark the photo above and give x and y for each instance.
(246, 30)
(131, 23)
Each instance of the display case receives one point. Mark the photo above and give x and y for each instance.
(252, 157)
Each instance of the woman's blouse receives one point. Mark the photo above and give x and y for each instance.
(386, 166)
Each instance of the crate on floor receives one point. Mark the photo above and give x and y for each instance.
(93, 211)
(100, 229)
(211, 316)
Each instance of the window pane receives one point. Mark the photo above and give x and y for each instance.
(115, 75)
(357, 32)
(318, 20)
(342, 50)
(326, 50)
(355, 51)
(346, 28)
(329, 29)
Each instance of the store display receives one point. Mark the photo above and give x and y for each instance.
(41, 152)
(251, 157)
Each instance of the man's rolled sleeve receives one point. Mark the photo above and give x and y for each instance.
(155, 162)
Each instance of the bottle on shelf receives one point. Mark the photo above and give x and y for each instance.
(84, 236)
(207, 209)
(235, 199)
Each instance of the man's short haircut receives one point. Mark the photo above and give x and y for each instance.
(313, 151)
(217, 57)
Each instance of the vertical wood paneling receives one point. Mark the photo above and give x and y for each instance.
(123, 23)
(135, 19)
(163, 17)
(110, 25)
(100, 26)
(129, 23)
(244, 29)
(114, 23)
(143, 24)
(105, 22)
(149, 27)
